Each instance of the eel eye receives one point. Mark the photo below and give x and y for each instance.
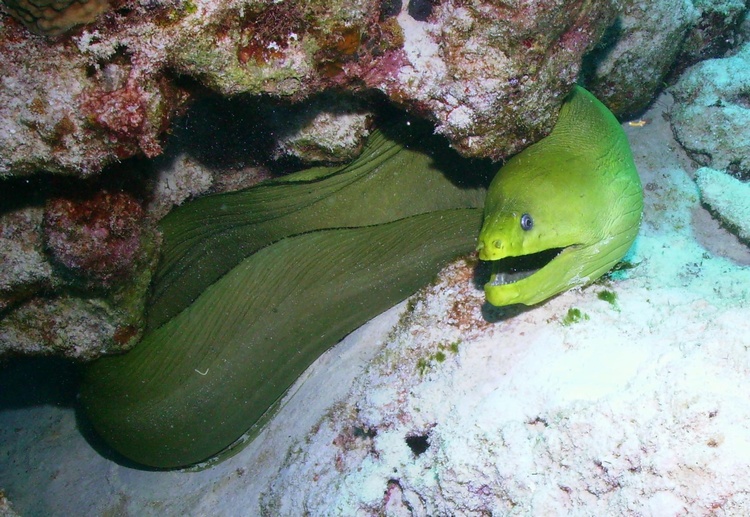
(526, 222)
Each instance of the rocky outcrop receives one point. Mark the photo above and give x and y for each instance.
(712, 112)
(652, 42)
(73, 277)
(727, 198)
(490, 77)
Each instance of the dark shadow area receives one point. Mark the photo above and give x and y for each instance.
(233, 133)
(226, 133)
(21, 192)
(419, 135)
(421, 10)
(492, 314)
(223, 133)
(27, 382)
(601, 51)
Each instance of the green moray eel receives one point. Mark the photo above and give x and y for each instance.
(253, 286)
(565, 210)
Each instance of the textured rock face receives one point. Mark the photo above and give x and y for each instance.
(491, 77)
(718, 29)
(712, 113)
(73, 277)
(64, 110)
(647, 41)
(728, 199)
(97, 239)
(651, 41)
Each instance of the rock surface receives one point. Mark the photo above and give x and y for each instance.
(68, 110)
(653, 41)
(492, 78)
(6, 509)
(728, 198)
(712, 112)
(75, 286)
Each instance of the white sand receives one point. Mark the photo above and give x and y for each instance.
(639, 408)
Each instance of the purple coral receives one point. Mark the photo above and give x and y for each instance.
(124, 112)
(97, 239)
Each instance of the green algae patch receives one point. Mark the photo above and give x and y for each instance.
(608, 296)
(574, 315)
(425, 364)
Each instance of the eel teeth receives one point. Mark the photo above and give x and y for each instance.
(509, 277)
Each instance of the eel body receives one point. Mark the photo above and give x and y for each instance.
(253, 286)
(565, 210)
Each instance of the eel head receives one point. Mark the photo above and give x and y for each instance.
(528, 250)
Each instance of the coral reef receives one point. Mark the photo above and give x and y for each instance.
(490, 77)
(73, 277)
(96, 238)
(728, 198)
(652, 41)
(712, 112)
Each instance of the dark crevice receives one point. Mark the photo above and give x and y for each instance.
(421, 10)
(389, 8)
(526, 263)
(418, 443)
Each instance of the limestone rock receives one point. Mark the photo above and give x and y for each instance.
(491, 77)
(712, 113)
(652, 42)
(639, 51)
(728, 199)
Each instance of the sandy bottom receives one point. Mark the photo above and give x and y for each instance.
(628, 397)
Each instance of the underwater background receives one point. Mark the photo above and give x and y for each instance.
(624, 396)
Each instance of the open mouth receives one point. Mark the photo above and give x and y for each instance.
(512, 269)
